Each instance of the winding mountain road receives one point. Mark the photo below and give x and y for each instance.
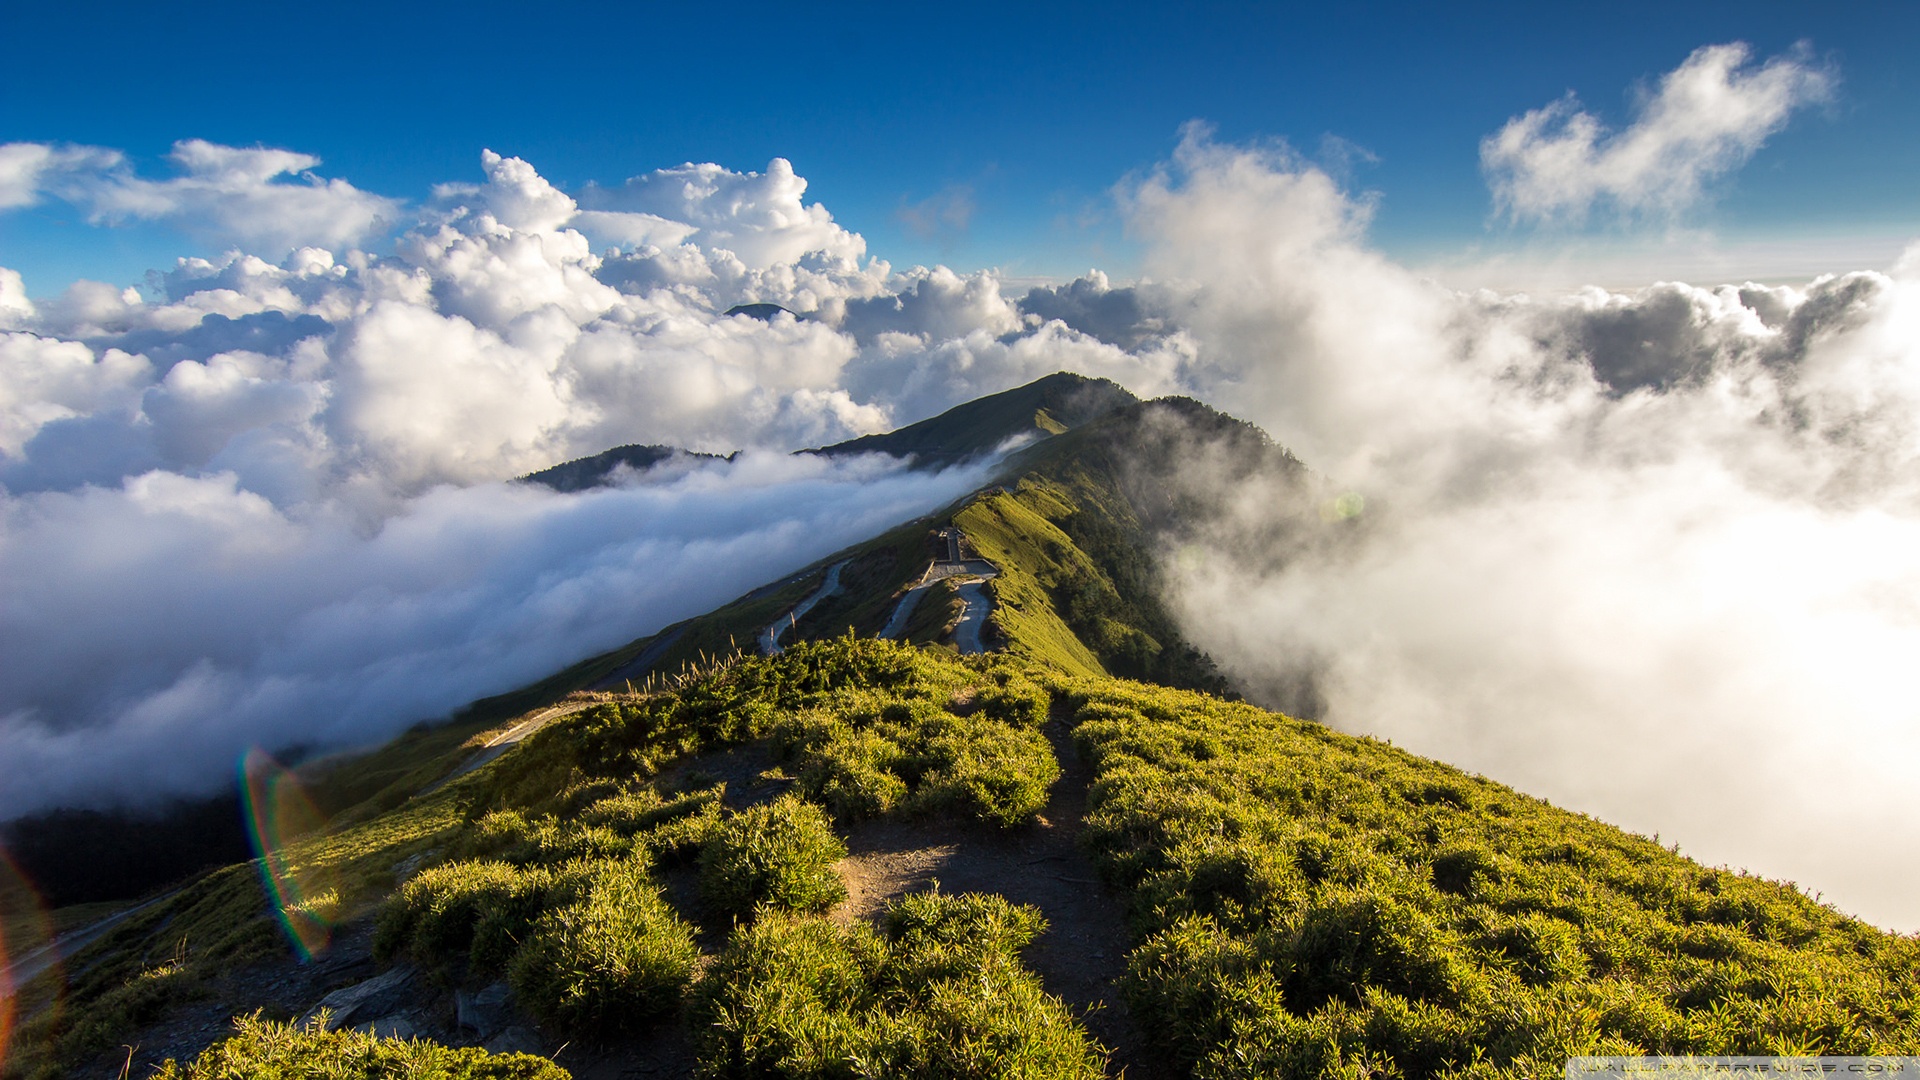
(770, 637)
(973, 593)
(27, 965)
(966, 632)
(897, 622)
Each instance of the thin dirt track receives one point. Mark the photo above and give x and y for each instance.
(1081, 955)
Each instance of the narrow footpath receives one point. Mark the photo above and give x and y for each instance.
(1082, 954)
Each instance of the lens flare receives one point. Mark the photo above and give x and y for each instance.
(279, 813)
(1345, 507)
(26, 944)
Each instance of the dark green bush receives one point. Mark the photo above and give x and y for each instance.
(780, 854)
(942, 994)
(855, 773)
(264, 1050)
(788, 997)
(614, 959)
(978, 768)
(924, 760)
(433, 920)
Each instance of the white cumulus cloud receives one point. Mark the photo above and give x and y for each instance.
(1707, 117)
(28, 170)
(259, 198)
(759, 217)
(1652, 554)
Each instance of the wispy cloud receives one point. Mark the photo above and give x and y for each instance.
(262, 199)
(28, 170)
(945, 214)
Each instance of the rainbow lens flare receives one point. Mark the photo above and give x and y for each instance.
(279, 813)
(26, 944)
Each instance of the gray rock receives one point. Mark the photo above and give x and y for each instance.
(397, 1026)
(485, 1011)
(382, 995)
(404, 870)
(514, 1040)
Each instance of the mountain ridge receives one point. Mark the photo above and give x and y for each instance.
(683, 858)
(976, 428)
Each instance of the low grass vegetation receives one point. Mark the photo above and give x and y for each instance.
(777, 856)
(914, 730)
(557, 878)
(1304, 904)
(938, 992)
(264, 1050)
(1309, 904)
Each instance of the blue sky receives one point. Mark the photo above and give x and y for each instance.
(999, 130)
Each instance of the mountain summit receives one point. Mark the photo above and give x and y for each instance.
(1048, 406)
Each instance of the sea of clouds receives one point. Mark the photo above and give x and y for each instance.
(1654, 554)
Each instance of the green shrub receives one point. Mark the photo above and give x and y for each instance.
(433, 919)
(780, 854)
(855, 773)
(788, 997)
(264, 1050)
(636, 813)
(1349, 942)
(983, 769)
(936, 936)
(616, 958)
(942, 994)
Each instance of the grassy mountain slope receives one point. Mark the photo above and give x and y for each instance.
(734, 871)
(1310, 904)
(1303, 903)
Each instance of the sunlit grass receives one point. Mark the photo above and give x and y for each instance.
(264, 1049)
(1304, 904)
(1310, 904)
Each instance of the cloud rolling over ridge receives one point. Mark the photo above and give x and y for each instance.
(154, 627)
(1654, 554)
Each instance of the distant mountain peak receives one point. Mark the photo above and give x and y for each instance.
(599, 469)
(1047, 406)
(763, 312)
